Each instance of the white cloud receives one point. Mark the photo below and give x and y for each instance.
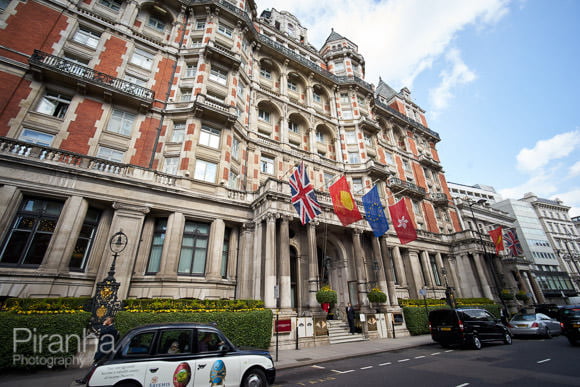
(399, 39)
(459, 74)
(557, 147)
(541, 184)
(574, 170)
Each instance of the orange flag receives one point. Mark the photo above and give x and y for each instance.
(497, 239)
(343, 202)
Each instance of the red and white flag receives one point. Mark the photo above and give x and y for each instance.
(402, 222)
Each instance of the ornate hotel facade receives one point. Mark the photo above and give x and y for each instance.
(179, 123)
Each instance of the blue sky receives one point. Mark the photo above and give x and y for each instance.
(499, 81)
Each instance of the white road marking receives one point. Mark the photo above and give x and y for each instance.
(449, 350)
(543, 361)
(402, 360)
(319, 367)
(436, 353)
(462, 385)
(366, 368)
(342, 372)
(384, 364)
(419, 357)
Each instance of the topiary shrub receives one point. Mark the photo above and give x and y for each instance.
(376, 295)
(326, 295)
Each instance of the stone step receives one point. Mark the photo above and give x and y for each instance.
(339, 332)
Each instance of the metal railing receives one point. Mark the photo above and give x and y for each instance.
(68, 67)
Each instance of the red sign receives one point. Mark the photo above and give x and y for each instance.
(283, 325)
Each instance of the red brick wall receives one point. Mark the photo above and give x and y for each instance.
(33, 27)
(83, 128)
(162, 78)
(146, 141)
(12, 90)
(430, 217)
(111, 57)
(419, 175)
(455, 221)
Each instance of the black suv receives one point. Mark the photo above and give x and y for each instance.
(569, 317)
(466, 327)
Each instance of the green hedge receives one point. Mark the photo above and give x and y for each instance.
(40, 324)
(244, 329)
(48, 304)
(417, 320)
(190, 305)
(441, 302)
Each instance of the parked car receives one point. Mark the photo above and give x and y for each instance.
(466, 327)
(534, 324)
(570, 323)
(180, 355)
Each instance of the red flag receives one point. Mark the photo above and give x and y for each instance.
(497, 239)
(343, 202)
(402, 222)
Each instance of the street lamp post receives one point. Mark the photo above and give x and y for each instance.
(105, 301)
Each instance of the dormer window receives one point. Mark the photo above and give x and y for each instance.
(156, 23)
(115, 5)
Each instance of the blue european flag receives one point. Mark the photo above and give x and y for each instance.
(375, 213)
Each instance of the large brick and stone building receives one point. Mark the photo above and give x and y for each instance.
(178, 123)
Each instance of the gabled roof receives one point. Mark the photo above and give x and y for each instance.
(333, 36)
(385, 90)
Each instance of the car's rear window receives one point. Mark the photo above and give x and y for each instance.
(442, 317)
(524, 317)
(575, 313)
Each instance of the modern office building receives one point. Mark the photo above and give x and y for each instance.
(474, 192)
(178, 123)
(561, 232)
(553, 280)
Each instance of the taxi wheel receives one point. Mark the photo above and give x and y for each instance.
(127, 384)
(255, 378)
(547, 333)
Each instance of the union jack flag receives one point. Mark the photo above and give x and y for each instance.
(512, 242)
(303, 196)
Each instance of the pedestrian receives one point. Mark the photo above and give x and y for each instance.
(350, 317)
(107, 336)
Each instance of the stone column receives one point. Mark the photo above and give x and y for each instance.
(399, 266)
(284, 265)
(215, 250)
(129, 219)
(172, 246)
(232, 266)
(142, 263)
(245, 274)
(381, 275)
(257, 263)
(312, 266)
(10, 200)
(65, 235)
(417, 278)
(387, 267)
(480, 265)
(536, 288)
(360, 269)
(440, 265)
(428, 277)
(270, 263)
(452, 265)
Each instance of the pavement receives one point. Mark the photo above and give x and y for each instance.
(283, 359)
